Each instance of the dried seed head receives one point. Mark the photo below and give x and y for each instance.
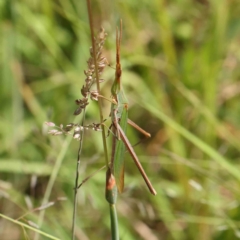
(77, 136)
(96, 127)
(84, 91)
(52, 132)
(78, 128)
(102, 34)
(77, 133)
(77, 111)
(94, 95)
(50, 124)
(90, 72)
(69, 127)
(57, 133)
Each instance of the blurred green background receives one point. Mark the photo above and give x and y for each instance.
(181, 75)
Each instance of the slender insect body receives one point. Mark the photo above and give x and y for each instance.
(119, 115)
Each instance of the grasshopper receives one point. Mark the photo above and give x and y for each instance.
(119, 116)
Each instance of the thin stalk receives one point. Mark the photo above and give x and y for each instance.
(97, 80)
(111, 196)
(114, 222)
(77, 177)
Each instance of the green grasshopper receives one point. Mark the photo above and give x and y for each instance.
(119, 116)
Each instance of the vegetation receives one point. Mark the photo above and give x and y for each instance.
(180, 70)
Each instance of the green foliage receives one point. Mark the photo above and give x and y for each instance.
(181, 72)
